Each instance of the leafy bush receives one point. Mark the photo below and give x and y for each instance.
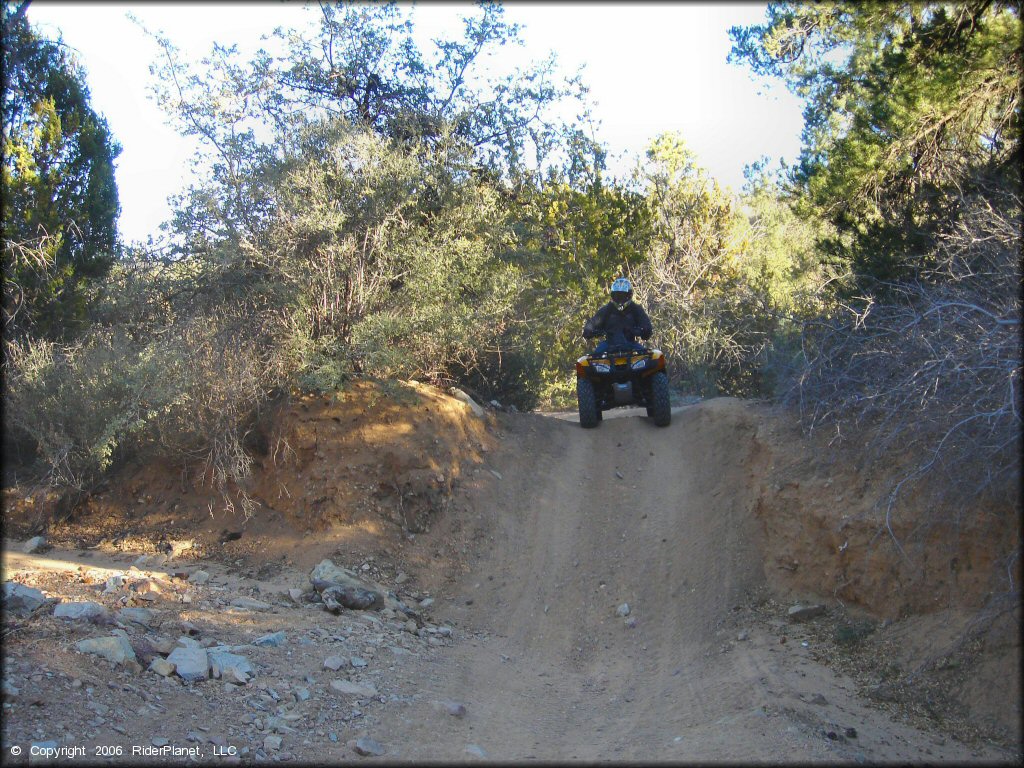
(77, 403)
(931, 368)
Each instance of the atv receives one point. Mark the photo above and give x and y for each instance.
(622, 376)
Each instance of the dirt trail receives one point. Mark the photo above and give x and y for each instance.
(660, 519)
(552, 530)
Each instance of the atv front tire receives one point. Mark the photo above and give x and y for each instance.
(660, 408)
(590, 412)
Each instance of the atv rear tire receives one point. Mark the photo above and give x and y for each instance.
(660, 408)
(590, 412)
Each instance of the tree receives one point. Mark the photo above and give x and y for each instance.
(575, 232)
(60, 203)
(910, 108)
(707, 317)
(360, 66)
(912, 151)
(341, 165)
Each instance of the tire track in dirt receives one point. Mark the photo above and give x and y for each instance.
(586, 520)
(662, 519)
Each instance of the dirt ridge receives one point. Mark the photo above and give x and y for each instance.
(530, 544)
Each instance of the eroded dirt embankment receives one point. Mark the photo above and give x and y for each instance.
(705, 665)
(535, 535)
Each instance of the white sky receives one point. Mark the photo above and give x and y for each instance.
(651, 68)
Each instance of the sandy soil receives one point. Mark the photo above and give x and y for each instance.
(659, 519)
(546, 533)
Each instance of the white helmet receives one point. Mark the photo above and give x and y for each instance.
(622, 293)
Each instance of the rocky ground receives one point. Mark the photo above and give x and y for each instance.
(417, 582)
(160, 655)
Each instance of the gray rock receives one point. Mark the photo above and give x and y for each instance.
(162, 667)
(141, 616)
(272, 743)
(475, 407)
(9, 691)
(280, 724)
(295, 595)
(232, 676)
(114, 583)
(426, 602)
(805, 612)
(348, 688)
(302, 694)
(115, 649)
(22, 600)
(623, 610)
(179, 547)
(147, 589)
(162, 645)
(358, 662)
(199, 577)
(273, 640)
(81, 611)
(187, 642)
(476, 751)
(327, 574)
(336, 597)
(159, 741)
(369, 747)
(819, 700)
(334, 663)
(453, 708)
(250, 604)
(221, 660)
(190, 664)
(33, 545)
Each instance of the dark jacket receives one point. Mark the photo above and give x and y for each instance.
(631, 322)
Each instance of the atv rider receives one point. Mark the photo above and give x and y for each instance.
(621, 321)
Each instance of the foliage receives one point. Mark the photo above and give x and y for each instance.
(60, 202)
(47, 386)
(709, 317)
(932, 373)
(369, 209)
(908, 106)
(163, 376)
(574, 234)
(911, 157)
(361, 68)
(364, 180)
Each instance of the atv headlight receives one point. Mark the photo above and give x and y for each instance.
(638, 364)
(655, 354)
(583, 360)
(601, 367)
